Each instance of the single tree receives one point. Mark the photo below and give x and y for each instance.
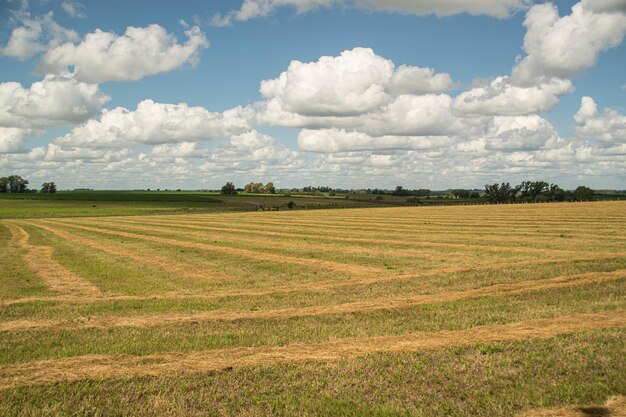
(269, 188)
(49, 187)
(555, 193)
(502, 193)
(583, 193)
(229, 188)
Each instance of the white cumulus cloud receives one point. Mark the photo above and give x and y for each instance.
(56, 100)
(561, 46)
(36, 35)
(501, 97)
(355, 82)
(609, 127)
(104, 56)
(156, 123)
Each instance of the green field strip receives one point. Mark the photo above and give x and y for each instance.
(17, 347)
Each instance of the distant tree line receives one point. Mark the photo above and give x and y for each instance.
(16, 184)
(460, 193)
(401, 191)
(534, 191)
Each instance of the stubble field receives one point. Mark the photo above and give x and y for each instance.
(425, 311)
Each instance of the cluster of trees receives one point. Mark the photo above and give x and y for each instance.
(13, 184)
(259, 188)
(401, 191)
(252, 188)
(534, 191)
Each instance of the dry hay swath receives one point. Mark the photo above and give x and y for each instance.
(385, 303)
(53, 274)
(614, 407)
(163, 364)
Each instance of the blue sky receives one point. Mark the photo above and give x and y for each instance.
(498, 140)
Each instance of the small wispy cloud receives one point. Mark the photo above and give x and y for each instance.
(74, 9)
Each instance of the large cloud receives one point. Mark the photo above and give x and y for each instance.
(35, 35)
(353, 83)
(356, 88)
(350, 84)
(562, 46)
(56, 100)
(251, 9)
(156, 123)
(609, 127)
(104, 56)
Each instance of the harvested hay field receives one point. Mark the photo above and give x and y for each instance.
(424, 311)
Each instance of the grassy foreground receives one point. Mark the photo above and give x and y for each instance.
(425, 311)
